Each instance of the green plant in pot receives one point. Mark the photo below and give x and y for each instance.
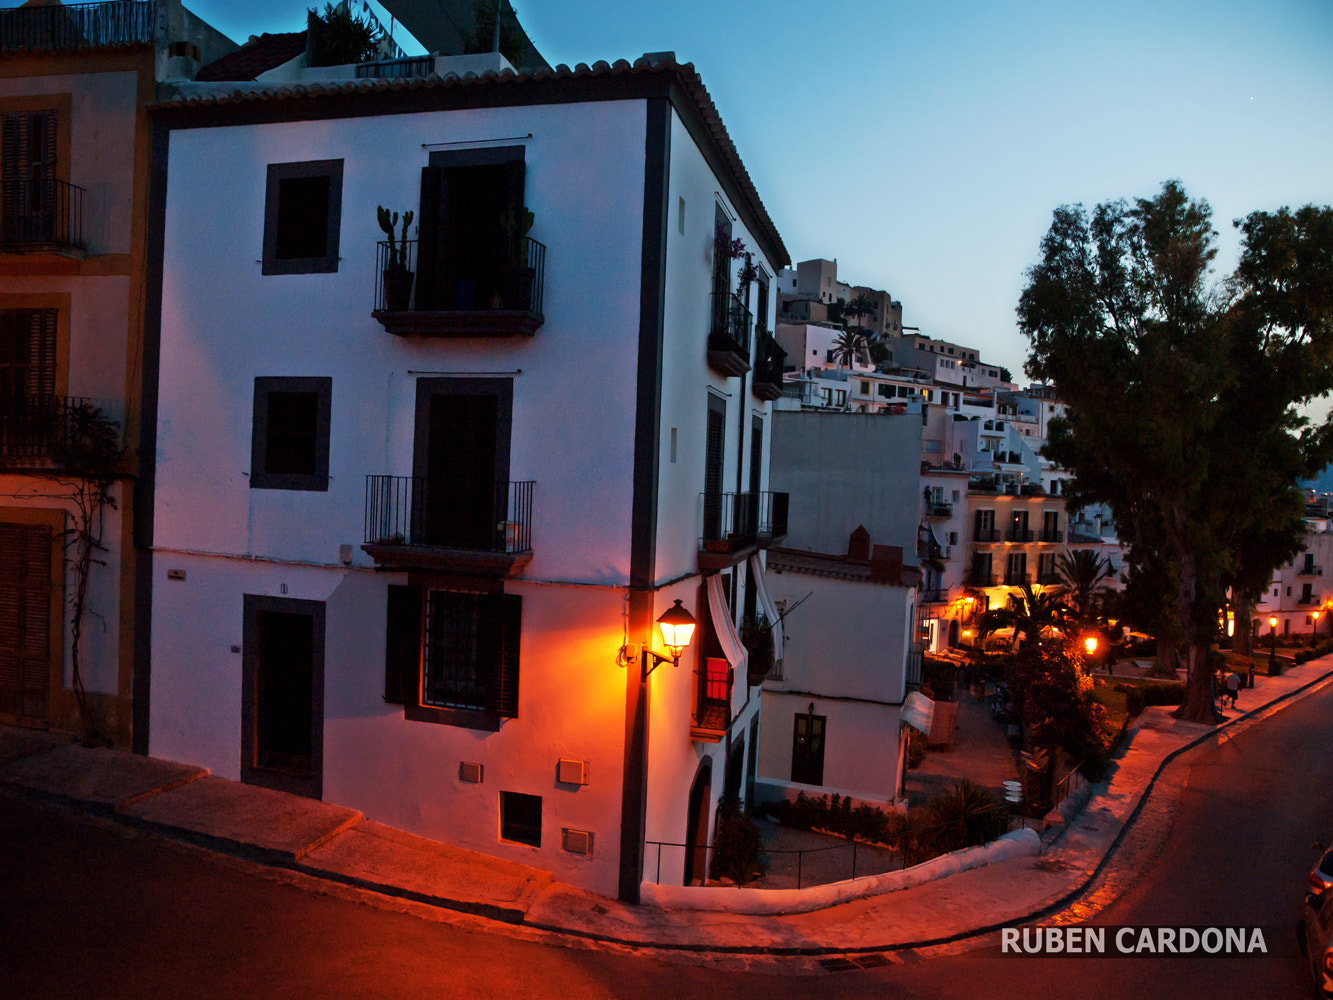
(397, 277)
(517, 223)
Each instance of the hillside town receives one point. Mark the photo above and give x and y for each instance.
(451, 443)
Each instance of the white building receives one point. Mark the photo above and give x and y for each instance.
(409, 549)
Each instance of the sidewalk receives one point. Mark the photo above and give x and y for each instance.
(334, 843)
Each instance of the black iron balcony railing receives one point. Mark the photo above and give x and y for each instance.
(1019, 535)
(936, 508)
(915, 653)
(40, 426)
(383, 69)
(773, 515)
(414, 512)
(41, 213)
(986, 535)
(936, 596)
(1052, 535)
(731, 520)
(499, 300)
(729, 335)
(768, 361)
(1309, 599)
(981, 578)
(1016, 579)
(1048, 578)
(1309, 569)
(77, 26)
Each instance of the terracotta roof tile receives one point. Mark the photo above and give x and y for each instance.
(259, 55)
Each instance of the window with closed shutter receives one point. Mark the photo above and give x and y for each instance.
(27, 176)
(27, 354)
(25, 621)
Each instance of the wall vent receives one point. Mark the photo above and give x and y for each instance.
(571, 772)
(469, 772)
(576, 841)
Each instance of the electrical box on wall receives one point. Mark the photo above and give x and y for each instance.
(576, 841)
(571, 772)
(469, 772)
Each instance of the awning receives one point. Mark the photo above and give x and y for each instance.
(766, 602)
(737, 655)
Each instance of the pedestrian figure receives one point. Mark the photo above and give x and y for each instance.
(1233, 687)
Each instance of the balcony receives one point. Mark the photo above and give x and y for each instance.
(772, 517)
(934, 596)
(503, 301)
(1049, 578)
(986, 535)
(412, 523)
(38, 430)
(712, 711)
(981, 578)
(1306, 599)
(937, 509)
(729, 335)
(392, 69)
(1019, 535)
(1309, 569)
(1016, 579)
(42, 216)
(1052, 535)
(76, 26)
(768, 361)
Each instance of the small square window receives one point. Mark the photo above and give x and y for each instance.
(521, 818)
(302, 217)
(289, 448)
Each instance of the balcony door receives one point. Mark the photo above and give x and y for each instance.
(461, 462)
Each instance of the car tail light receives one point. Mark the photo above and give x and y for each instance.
(1315, 882)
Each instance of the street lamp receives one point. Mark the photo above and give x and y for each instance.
(1090, 648)
(677, 627)
(1314, 626)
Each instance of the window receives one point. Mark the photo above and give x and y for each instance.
(471, 233)
(807, 749)
(521, 818)
(27, 354)
(29, 176)
(1017, 568)
(302, 217)
(452, 657)
(1045, 567)
(289, 448)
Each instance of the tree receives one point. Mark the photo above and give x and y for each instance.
(849, 347)
(338, 38)
(1030, 613)
(1083, 576)
(861, 305)
(513, 43)
(1006, 375)
(1182, 397)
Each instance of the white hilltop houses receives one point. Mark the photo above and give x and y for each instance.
(420, 500)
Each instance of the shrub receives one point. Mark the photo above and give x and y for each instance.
(966, 815)
(738, 847)
(941, 676)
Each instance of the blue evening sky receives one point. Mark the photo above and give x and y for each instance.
(924, 145)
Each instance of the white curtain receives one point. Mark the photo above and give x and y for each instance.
(766, 602)
(737, 655)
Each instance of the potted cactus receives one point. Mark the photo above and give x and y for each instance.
(397, 278)
(517, 223)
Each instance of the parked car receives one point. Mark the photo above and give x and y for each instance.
(1321, 875)
(1314, 934)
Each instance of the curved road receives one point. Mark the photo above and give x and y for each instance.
(89, 908)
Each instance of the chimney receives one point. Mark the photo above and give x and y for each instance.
(858, 546)
(886, 564)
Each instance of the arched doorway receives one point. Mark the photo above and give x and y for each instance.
(696, 826)
(953, 633)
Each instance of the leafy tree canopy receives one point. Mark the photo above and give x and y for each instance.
(1183, 395)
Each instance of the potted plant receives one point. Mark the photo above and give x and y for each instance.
(397, 278)
(517, 223)
(758, 639)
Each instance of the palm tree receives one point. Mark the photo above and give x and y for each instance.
(1083, 588)
(861, 305)
(850, 346)
(1029, 614)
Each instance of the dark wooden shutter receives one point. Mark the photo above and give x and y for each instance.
(498, 636)
(430, 223)
(402, 647)
(25, 620)
(42, 353)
